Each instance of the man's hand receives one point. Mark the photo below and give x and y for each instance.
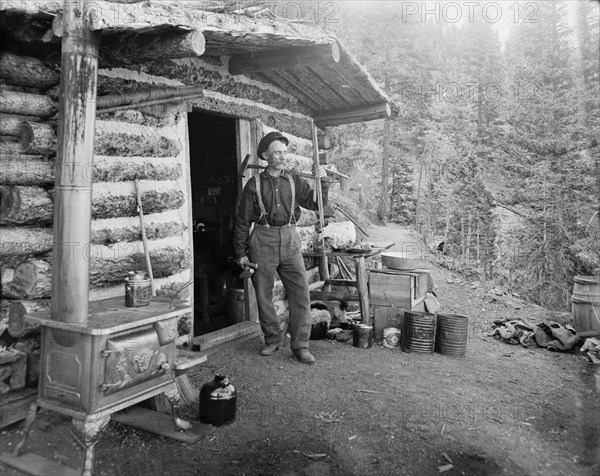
(243, 262)
(320, 173)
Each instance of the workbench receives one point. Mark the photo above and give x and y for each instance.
(361, 283)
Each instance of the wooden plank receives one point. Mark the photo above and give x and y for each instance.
(300, 56)
(392, 290)
(342, 282)
(237, 331)
(363, 290)
(37, 465)
(15, 405)
(187, 359)
(162, 424)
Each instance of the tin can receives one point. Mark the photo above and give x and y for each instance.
(391, 337)
(363, 336)
(138, 289)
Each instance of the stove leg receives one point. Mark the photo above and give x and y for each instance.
(87, 433)
(174, 398)
(29, 420)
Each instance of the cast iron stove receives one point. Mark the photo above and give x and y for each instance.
(117, 358)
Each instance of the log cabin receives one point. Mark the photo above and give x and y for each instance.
(159, 102)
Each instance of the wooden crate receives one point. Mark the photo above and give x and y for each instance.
(386, 289)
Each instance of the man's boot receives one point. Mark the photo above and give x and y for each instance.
(269, 349)
(304, 356)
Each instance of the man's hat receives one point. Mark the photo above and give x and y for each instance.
(265, 142)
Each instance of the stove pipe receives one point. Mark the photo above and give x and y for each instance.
(73, 185)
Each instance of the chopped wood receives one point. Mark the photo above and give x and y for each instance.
(27, 71)
(37, 138)
(32, 279)
(22, 205)
(24, 241)
(26, 104)
(368, 391)
(444, 468)
(10, 123)
(21, 169)
(17, 325)
(317, 455)
(447, 458)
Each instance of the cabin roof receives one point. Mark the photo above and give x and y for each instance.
(336, 92)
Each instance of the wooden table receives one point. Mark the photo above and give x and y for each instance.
(361, 283)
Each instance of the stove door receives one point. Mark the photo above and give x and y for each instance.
(132, 359)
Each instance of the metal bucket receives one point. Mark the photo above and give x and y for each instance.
(418, 332)
(363, 336)
(138, 291)
(585, 305)
(451, 334)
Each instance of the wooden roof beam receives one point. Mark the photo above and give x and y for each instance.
(347, 116)
(283, 58)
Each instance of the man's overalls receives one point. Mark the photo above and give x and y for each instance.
(278, 249)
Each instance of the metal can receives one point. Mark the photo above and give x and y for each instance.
(138, 289)
(363, 336)
(391, 337)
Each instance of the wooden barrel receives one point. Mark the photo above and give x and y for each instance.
(418, 332)
(585, 305)
(451, 334)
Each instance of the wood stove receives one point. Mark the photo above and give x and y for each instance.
(117, 358)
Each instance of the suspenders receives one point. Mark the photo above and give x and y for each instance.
(261, 205)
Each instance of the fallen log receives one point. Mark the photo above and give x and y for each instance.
(17, 243)
(22, 205)
(26, 104)
(37, 138)
(26, 170)
(17, 325)
(9, 123)
(27, 71)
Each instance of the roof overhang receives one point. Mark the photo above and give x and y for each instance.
(307, 62)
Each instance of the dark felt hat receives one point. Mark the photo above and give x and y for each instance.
(265, 142)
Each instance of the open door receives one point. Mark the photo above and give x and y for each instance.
(218, 144)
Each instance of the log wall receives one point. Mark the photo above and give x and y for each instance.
(149, 145)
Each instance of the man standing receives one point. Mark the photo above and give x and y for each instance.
(271, 200)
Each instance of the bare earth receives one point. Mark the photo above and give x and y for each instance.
(500, 410)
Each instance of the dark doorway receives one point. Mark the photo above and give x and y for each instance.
(214, 177)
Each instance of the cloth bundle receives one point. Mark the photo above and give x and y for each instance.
(548, 334)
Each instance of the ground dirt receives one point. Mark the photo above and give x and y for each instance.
(501, 410)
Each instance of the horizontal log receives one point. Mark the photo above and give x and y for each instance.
(37, 138)
(332, 296)
(17, 243)
(26, 104)
(21, 169)
(284, 58)
(347, 116)
(105, 271)
(22, 205)
(134, 145)
(149, 47)
(10, 123)
(18, 326)
(153, 201)
(128, 169)
(294, 125)
(128, 229)
(27, 71)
